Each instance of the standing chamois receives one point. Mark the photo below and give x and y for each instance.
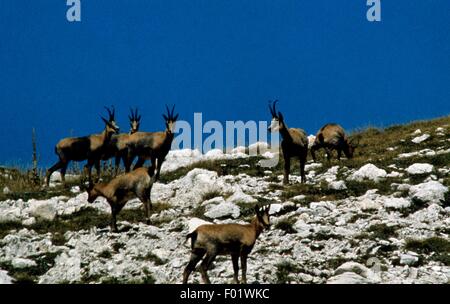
(152, 145)
(117, 146)
(220, 239)
(90, 148)
(332, 136)
(294, 143)
(121, 189)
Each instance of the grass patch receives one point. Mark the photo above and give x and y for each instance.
(138, 215)
(287, 225)
(31, 274)
(437, 248)
(105, 254)
(211, 194)
(381, 231)
(153, 258)
(6, 227)
(284, 270)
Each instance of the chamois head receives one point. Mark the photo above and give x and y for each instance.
(349, 147)
(262, 215)
(111, 126)
(170, 119)
(135, 120)
(92, 193)
(277, 118)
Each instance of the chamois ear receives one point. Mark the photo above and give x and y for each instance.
(165, 117)
(280, 116)
(257, 210)
(175, 118)
(104, 120)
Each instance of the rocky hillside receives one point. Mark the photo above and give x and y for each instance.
(382, 217)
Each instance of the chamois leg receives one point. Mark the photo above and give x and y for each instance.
(314, 148)
(140, 162)
(63, 173)
(287, 169)
(146, 200)
(88, 168)
(97, 169)
(117, 164)
(244, 267)
(302, 158)
(116, 206)
(114, 219)
(328, 152)
(209, 258)
(52, 169)
(151, 170)
(196, 256)
(127, 162)
(235, 260)
(158, 168)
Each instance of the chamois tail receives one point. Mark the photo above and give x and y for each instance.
(193, 237)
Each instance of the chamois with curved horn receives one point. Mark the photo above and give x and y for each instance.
(294, 142)
(220, 239)
(117, 147)
(121, 189)
(332, 137)
(152, 145)
(90, 148)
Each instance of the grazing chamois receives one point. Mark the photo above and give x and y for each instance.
(294, 142)
(332, 136)
(121, 189)
(152, 145)
(117, 146)
(90, 148)
(220, 239)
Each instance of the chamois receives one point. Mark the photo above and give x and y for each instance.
(123, 188)
(332, 136)
(220, 239)
(152, 145)
(117, 146)
(294, 142)
(89, 148)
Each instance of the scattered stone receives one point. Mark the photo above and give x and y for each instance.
(431, 192)
(397, 203)
(222, 210)
(5, 278)
(21, 263)
(420, 168)
(43, 209)
(419, 139)
(348, 278)
(370, 172)
(408, 259)
(337, 185)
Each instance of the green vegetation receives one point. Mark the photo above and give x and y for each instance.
(437, 248)
(30, 274)
(284, 271)
(286, 225)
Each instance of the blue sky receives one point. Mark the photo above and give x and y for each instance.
(322, 59)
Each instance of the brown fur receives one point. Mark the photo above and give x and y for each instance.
(90, 148)
(117, 146)
(332, 137)
(221, 239)
(153, 146)
(121, 189)
(294, 143)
